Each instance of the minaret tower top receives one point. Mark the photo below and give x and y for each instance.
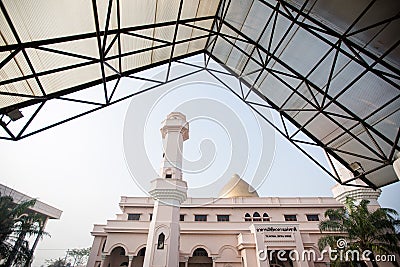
(174, 130)
(175, 122)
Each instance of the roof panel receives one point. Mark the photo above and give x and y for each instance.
(129, 15)
(46, 60)
(167, 10)
(136, 61)
(367, 95)
(43, 19)
(28, 87)
(237, 12)
(284, 50)
(58, 81)
(15, 68)
(329, 74)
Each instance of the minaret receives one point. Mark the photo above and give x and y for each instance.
(168, 191)
(341, 192)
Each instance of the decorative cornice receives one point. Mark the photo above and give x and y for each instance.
(359, 194)
(170, 194)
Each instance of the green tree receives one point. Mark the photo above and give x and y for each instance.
(55, 262)
(363, 229)
(79, 255)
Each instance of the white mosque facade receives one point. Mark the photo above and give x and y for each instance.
(239, 229)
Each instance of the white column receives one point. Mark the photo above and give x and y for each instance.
(396, 164)
(169, 191)
(213, 261)
(186, 261)
(130, 258)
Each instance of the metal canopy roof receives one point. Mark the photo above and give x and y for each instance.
(329, 68)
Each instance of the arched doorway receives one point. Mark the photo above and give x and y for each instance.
(200, 258)
(139, 258)
(118, 258)
(281, 261)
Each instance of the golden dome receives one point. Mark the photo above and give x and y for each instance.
(236, 187)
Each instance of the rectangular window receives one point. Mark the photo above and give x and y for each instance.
(133, 216)
(168, 175)
(312, 217)
(182, 217)
(290, 218)
(223, 218)
(151, 216)
(200, 218)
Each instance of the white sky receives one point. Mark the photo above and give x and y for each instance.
(80, 167)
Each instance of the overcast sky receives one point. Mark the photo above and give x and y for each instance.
(84, 166)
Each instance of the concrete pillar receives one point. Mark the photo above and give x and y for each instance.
(299, 248)
(260, 246)
(103, 260)
(249, 257)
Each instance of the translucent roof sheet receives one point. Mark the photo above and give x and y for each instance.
(320, 80)
(65, 42)
(330, 68)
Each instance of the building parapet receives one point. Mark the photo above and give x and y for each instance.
(238, 201)
(39, 207)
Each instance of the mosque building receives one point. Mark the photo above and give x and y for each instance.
(238, 229)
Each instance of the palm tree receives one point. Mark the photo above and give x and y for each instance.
(363, 229)
(26, 226)
(17, 224)
(9, 215)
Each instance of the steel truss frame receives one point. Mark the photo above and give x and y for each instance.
(339, 43)
(360, 55)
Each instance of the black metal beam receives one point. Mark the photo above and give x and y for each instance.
(333, 33)
(83, 36)
(296, 124)
(267, 120)
(301, 77)
(174, 39)
(60, 94)
(100, 47)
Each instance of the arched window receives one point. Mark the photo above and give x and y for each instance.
(256, 217)
(161, 238)
(247, 217)
(265, 217)
(168, 173)
(200, 252)
(142, 252)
